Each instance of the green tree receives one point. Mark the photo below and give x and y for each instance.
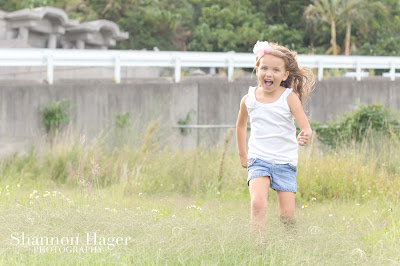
(287, 12)
(165, 24)
(381, 36)
(361, 27)
(237, 25)
(329, 11)
(225, 26)
(356, 11)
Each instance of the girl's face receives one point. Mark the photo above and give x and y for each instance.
(271, 72)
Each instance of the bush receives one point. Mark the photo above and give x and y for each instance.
(55, 114)
(356, 125)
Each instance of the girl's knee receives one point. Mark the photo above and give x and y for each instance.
(289, 221)
(287, 216)
(258, 204)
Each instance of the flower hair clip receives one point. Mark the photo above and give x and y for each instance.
(261, 48)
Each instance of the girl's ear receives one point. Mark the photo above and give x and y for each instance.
(286, 76)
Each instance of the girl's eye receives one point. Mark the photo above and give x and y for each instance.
(276, 70)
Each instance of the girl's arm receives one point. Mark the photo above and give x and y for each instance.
(241, 129)
(297, 110)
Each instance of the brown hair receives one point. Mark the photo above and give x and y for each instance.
(301, 80)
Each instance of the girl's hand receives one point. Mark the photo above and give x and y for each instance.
(304, 136)
(243, 161)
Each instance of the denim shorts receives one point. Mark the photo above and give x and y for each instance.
(282, 176)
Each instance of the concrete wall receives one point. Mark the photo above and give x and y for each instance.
(215, 100)
(337, 95)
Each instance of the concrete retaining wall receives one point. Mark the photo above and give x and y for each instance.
(215, 100)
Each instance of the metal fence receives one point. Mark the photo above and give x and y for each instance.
(116, 59)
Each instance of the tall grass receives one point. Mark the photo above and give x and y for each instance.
(356, 171)
(191, 207)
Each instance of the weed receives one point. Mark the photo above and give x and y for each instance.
(55, 114)
(186, 121)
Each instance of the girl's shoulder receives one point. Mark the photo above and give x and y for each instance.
(292, 93)
(244, 98)
(249, 94)
(293, 98)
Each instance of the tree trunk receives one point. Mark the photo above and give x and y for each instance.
(333, 37)
(348, 36)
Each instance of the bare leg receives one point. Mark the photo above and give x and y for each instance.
(286, 206)
(259, 195)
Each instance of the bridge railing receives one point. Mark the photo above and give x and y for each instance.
(116, 59)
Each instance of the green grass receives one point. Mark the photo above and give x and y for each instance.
(192, 207)
(170, 230)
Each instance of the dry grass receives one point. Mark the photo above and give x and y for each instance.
(192, 207)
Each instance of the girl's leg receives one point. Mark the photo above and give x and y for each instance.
(286, 206)
(259, 194)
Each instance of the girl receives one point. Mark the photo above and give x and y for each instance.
(272, 107)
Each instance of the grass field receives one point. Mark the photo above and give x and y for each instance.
(150, 205)
(184, 230)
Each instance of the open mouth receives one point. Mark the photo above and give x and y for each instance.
(268, 83)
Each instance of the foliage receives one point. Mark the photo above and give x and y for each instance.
(354, 126)
(186, 121)
(329, 11)
(227, 27)
(122, 121)
(123, 130)
(362, 27)
(55, 114)
(153, 23)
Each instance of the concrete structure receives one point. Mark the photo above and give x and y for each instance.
(49, 27)
(98, 34)
(215, 100)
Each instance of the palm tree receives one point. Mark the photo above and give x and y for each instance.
(360, 11)
(326, 11)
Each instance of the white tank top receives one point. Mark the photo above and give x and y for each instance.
(273, 133)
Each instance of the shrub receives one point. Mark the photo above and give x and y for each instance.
(354, 126)
(55, 114)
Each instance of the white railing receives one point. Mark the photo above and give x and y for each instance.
(230, 60)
